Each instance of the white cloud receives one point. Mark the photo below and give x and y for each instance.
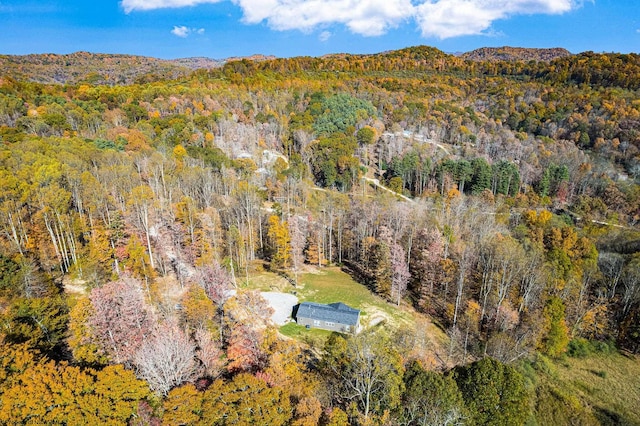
(324, 36)
(435, 18)
(366, 17)
(131, 5)
(452, 18)
(182, 31)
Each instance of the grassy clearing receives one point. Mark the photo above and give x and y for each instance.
(608, 383)
(602, 388)
(267, 281)
(329, 285)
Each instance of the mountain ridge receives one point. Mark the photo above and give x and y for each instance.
(114, 69)
(508, 53)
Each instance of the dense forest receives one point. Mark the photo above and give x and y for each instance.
(496, 196)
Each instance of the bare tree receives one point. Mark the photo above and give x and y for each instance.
(167, 359)
(399, 272)
(611, 265)
(298, 235)
(365, 370)
(631, 285)
(216, 282)
(142, 205)
(532, 280)
(465, 262)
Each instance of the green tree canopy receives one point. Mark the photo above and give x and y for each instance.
(494, 393)
(338, 112)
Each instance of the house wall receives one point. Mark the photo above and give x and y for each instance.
(325, 325)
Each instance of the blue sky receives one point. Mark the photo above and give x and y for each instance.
(223, 28)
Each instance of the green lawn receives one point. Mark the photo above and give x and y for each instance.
(329, 285)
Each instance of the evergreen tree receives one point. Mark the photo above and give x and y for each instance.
(494, 393)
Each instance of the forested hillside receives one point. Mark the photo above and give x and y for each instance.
(507, 53)
(499, 200)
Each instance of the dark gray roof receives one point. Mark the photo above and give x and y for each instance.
(334, 312)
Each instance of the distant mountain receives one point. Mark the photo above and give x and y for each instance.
(208, 63)
(256, 58)
(510, 54)
(199, 62)
(94, 68)
(113, 69)
(109, 69)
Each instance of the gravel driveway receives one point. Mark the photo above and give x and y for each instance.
(282, 304)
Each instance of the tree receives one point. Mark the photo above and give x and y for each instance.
(340, 112)
(15, 360)
(556, 333)
(167, 358)
(120, 320)
(197, 310)
(612, 266)
(631, 284)
(279, 243)
(377, 266)
(248, 307)
(246, 400)
(425, 265)
(481, 176)
(366, 370)
(80, 339)
(118, 393)
(494, 393)
(288, 368)
(9, 276)
(50, 393)
(431, 398)
(629, 329)
(298, 233)
(245, 352)
(40, 322)
(208, 353)
(366, 135)
(333, 163)
(505, 179)
(141, 202)
(399, 272)
(182, 406)
(215, 281)
(217, 284)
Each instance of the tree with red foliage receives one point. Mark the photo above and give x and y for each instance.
(120, 319)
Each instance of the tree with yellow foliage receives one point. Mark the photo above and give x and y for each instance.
(50, 393)
(246, 400)
(279, 243)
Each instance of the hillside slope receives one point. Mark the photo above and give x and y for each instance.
(94, 68)
(507, 53)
